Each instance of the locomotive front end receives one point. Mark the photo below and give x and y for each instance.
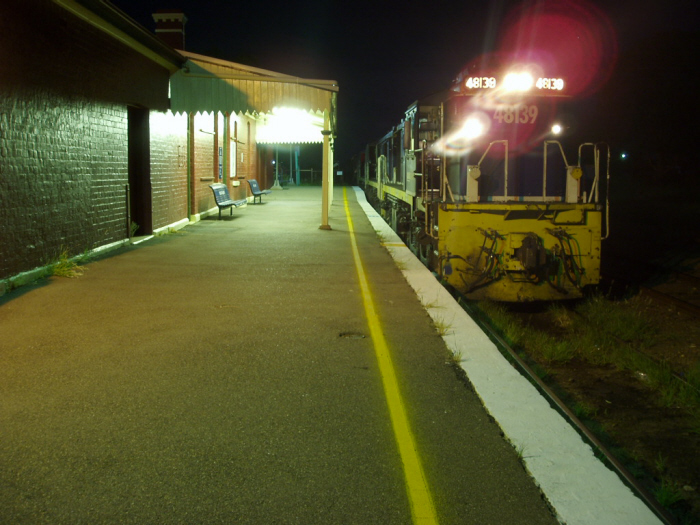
(517, 221)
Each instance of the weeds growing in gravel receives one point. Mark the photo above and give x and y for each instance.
(583, 410)
(667, 493)
(602, 332)
(624, 323)
(510, 328)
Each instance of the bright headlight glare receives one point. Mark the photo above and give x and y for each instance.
(472, 128)
(518, 81)
(557, 129)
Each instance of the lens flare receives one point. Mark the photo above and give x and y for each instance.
(518, 82)
(573, 37)
(472, 128)
(462, 140)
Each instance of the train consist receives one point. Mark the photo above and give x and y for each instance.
(479, 184)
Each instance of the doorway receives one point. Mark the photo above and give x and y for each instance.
(139, 172)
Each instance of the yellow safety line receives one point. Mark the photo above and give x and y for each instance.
(422, 508)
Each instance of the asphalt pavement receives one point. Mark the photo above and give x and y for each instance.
(225, 374)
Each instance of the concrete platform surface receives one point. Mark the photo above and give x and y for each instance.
(225, 374)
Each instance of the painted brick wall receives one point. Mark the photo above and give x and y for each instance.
(168, 167)
(203, 169)
(63, 170)
(64, 91)
(207, 139)
(43, 46)
(247, 154)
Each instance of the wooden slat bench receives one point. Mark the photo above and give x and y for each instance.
(257, 192)
(223, 199)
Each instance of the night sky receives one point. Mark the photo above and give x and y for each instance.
(385, 55)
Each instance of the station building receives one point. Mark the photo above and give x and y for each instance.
(108, 130)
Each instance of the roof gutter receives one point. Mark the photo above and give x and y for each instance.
(243, 72)
(125, 30)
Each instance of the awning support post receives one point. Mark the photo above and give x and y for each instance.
(325, 177)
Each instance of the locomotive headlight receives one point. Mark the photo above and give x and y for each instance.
(557, 129)
(473, 128)
(518, 81)
(461, 139)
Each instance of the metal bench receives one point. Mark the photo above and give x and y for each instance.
(257, 192)
(223, 199)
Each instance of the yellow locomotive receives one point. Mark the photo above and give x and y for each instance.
(477, 183)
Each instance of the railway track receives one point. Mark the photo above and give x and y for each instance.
(629, 478)
(681, 290)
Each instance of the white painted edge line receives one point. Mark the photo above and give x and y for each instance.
(581, 489)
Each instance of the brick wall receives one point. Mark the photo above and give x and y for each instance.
(63, 171)
(247, 153)
(168, 167)
(203, 162)
(44, 46)
(64, 91)
(67, 91)
(208, 134)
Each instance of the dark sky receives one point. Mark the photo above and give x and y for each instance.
(384, 55)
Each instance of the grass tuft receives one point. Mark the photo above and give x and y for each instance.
(622, 321)
(443, 327)
(667, 493)
(430, 305)
(401, 265)
(584, 410)
(456, 357)
(69, 267)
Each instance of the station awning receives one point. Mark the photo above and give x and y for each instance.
(209, 85)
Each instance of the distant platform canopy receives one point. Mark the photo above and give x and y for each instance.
(288, 109)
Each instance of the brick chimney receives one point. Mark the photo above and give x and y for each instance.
(170, 27)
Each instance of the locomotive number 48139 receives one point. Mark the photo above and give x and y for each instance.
(516, 114)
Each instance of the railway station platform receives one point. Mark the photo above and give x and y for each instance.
(260, 370)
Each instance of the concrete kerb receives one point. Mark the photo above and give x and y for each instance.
(31, 276)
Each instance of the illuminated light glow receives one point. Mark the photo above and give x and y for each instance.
(557, 129)
(473, 128)
(462, 140)
(623, 156)
(163, 124)
(518, 82)
(288, 126)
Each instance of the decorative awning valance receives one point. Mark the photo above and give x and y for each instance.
(207, 85)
